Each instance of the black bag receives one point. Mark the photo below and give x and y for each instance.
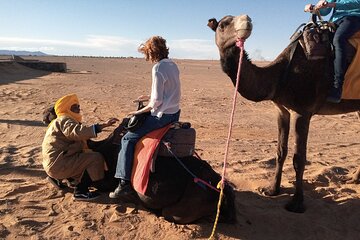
(315, 37)
(137, 120)
(180, 139)
(316, 42)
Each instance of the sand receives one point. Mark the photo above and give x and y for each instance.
(30, 208)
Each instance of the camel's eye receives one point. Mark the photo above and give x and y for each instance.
(221, 26)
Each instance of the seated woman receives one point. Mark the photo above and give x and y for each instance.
(164, 108)
(64, 150)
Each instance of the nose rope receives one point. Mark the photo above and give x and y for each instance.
(240, 44)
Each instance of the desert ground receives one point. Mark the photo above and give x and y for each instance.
(31, 208)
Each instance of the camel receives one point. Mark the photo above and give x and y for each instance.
(171, 190)
(298, 87)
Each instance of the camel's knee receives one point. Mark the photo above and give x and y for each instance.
(179, 215)
(299, 162)
(281, 154)
(188, 211)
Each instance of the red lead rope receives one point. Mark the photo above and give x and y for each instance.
(240, 44)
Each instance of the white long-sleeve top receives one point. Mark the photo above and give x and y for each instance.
(165, 88)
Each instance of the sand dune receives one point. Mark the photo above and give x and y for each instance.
(30, 208)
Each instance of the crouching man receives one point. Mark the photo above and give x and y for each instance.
(64, 150)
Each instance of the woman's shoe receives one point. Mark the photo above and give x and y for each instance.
(123, 189)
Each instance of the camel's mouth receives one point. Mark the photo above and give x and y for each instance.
(230, 29)
(242, 26)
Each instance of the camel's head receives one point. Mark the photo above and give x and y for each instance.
(229, 29)
(49, 115)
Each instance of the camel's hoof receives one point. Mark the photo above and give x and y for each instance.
(295, 206)
(268, 191)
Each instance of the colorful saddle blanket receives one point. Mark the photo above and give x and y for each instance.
(144, 151)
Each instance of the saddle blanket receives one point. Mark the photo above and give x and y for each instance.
(351, 87)
(144, 151)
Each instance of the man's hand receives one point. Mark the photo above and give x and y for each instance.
(112, 121)
(109, 123)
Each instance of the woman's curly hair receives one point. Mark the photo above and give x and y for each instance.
(154, 49)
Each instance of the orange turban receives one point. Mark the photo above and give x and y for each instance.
(63, 105)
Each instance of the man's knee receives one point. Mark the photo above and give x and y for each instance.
(98, 158)
(96, 166)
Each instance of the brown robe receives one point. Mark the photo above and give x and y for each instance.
(65, 154)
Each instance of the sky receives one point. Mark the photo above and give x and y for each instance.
(115, 28)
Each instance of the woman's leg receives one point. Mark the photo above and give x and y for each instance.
(128, 142)
(124, 162)
(126, 154)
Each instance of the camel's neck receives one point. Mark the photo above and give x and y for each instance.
(256, 83)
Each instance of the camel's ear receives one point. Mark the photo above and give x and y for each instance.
(213, 24)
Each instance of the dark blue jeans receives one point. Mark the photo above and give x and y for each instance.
(128, 142)
(346, 27)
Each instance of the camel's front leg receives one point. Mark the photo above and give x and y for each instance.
(283, 120)
(301, 134)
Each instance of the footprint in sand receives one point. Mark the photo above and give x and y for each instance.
(14, 180)
(329, 175)
(22, 190)
(34, 226)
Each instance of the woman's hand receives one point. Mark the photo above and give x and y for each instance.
(130, 114)
(324, 4)
(321, 4)
(142, 98)
(143, 110)
(308, 8)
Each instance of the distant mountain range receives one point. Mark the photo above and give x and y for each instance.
(22, 53)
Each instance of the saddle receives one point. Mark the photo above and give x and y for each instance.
(315, 39)
(174, 140)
